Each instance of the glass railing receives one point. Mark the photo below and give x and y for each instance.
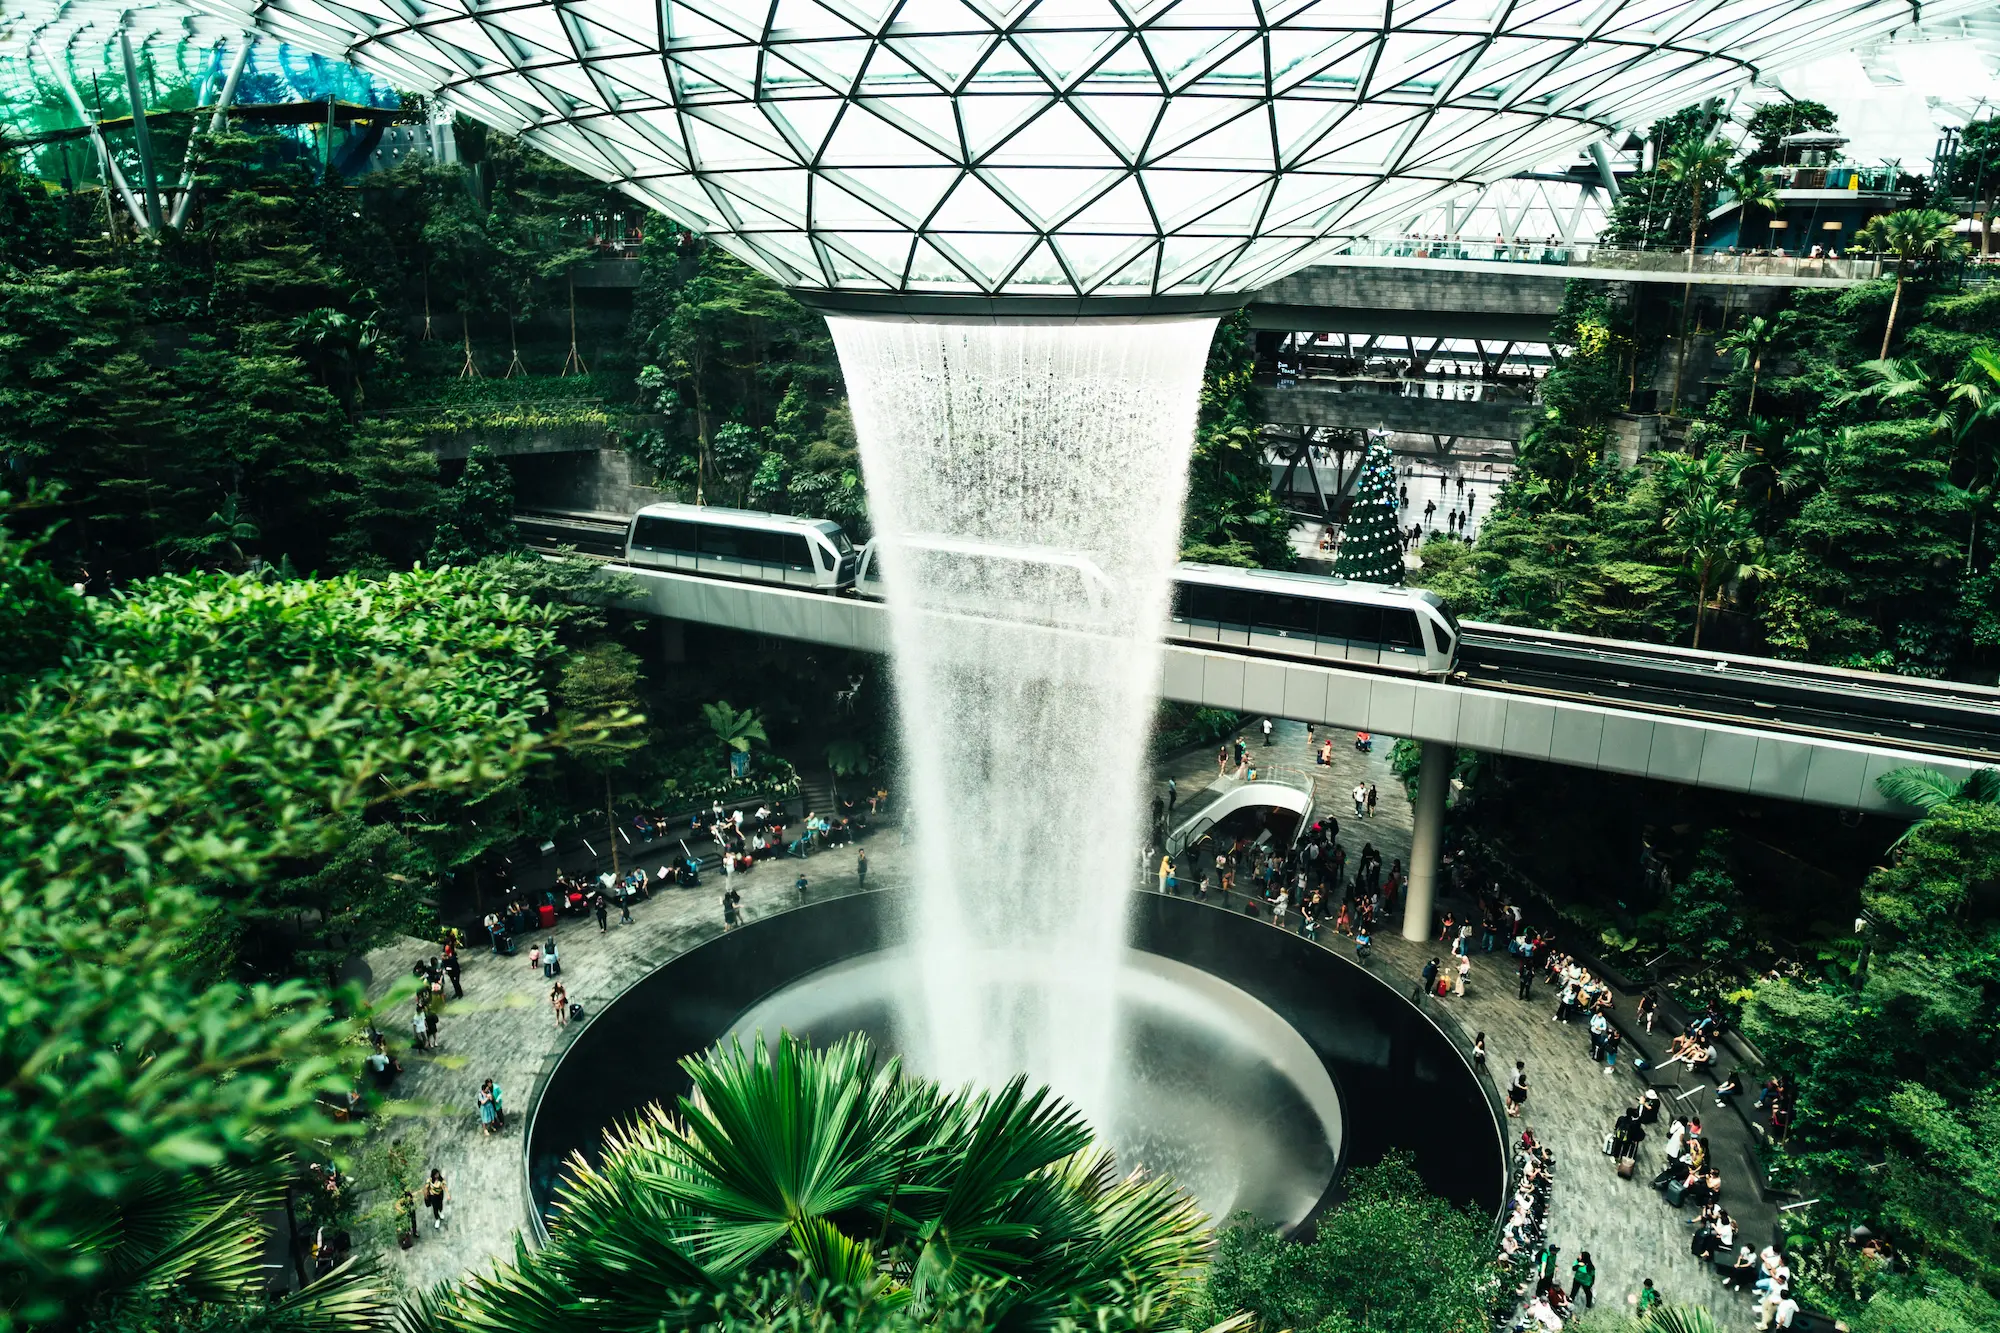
(1591, 255)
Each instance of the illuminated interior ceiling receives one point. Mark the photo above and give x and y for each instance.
(1177, 149)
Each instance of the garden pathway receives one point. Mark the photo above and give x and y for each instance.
(503, 1029)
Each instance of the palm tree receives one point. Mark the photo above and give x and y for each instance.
(841, 1175)
(1909, 236)
(1698, 164)
(1748, 345)
(200, 1237)
(1926, 789)
(1710, 532)
(1753, 188)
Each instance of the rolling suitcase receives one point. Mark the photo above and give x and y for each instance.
(1610, 1144)
(1674, 1190)
(576, 1013)
(1626, 1166)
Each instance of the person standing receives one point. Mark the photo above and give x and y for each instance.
(1479, 1050)
(802, 884)
(861, 867)
(486, 1106)
(625, 908)
(430, 1029)
(603, 910)
(731, 918)
(1371, 800)
(1649, 1005)
(1517, 1088)
(1583, 1276)
(1649, 1298)
(551, 960)
(1527, 977)
(1221, 760)
(1464, 974)
(1430, 976)
(1173, 794)
(559, 1001)
(435, 1195)
(1267, 731)
(1280, 907)
(499, 1104)
(452, 972)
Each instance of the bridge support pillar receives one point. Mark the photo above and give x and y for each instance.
(1427, 839)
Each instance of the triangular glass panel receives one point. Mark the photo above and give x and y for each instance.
(927, 118)
(685, 23)
(1120, 212)
(778, 77)
(930, 268)
(1127, 68)
(718, 150)
(785, 258)
(740, 121)
(1040, 272)
(989, 118)
(1191, 119)
(833, 207)
(886, 252)
(849, 271)
(808, 120)
(1057, 137)
(836, 63)
(1136, 274)
(1182, 56)
(863, 139)
(1237, 217)
(779, 193)
(742, 21)
(798, 20)
(1047, 195)
(948, 60)
(1088, 257)
(909, 194)
(1181, 195)
(988, 256)
(646, 76)
(1183, 257)
(729, 70)
(1126, 122)
(972, 206)
(1064, 57)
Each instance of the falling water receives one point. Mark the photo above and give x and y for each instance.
(1026, 678)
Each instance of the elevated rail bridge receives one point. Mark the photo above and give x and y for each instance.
(1749, 725)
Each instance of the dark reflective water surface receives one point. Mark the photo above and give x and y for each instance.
(1250, 1119)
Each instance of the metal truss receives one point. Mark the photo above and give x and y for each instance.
(1070, 148)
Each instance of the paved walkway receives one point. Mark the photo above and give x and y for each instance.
(503, 1028)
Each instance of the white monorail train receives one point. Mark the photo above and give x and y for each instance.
(742, 544)
(1265, 612)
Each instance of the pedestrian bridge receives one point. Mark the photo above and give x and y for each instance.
(1664, 714)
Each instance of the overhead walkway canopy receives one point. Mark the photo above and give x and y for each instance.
(1311, 403)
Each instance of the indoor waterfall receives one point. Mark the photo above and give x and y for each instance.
(1025, 481)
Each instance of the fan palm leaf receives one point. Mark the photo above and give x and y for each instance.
(1680, 1319)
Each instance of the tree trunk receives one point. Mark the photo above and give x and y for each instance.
(1986, 230)
(1894, 302)
(1700, 603)
(1756, 365)
(1687, 303)
(611, 827)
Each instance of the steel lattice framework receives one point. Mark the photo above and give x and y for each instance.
(1074, 148)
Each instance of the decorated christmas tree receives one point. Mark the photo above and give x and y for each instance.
(1370, 549)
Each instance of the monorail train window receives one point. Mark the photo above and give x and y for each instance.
(1440, 637)
(1355, 624)
(1233, 606)
(796, 549)
(1399, 630)
(1277, 613)
(665, 534)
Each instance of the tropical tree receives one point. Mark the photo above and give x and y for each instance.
(1697, 165)
(1705, 525)
(1926, 789)
(1753, 188)
(1751, 339)
(828, 1168)
(1975, 174)
(1909, 236)
(600, 687)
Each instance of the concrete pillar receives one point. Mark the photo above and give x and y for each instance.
(1427, 839)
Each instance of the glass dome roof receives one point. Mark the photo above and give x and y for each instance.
(1174, 149)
